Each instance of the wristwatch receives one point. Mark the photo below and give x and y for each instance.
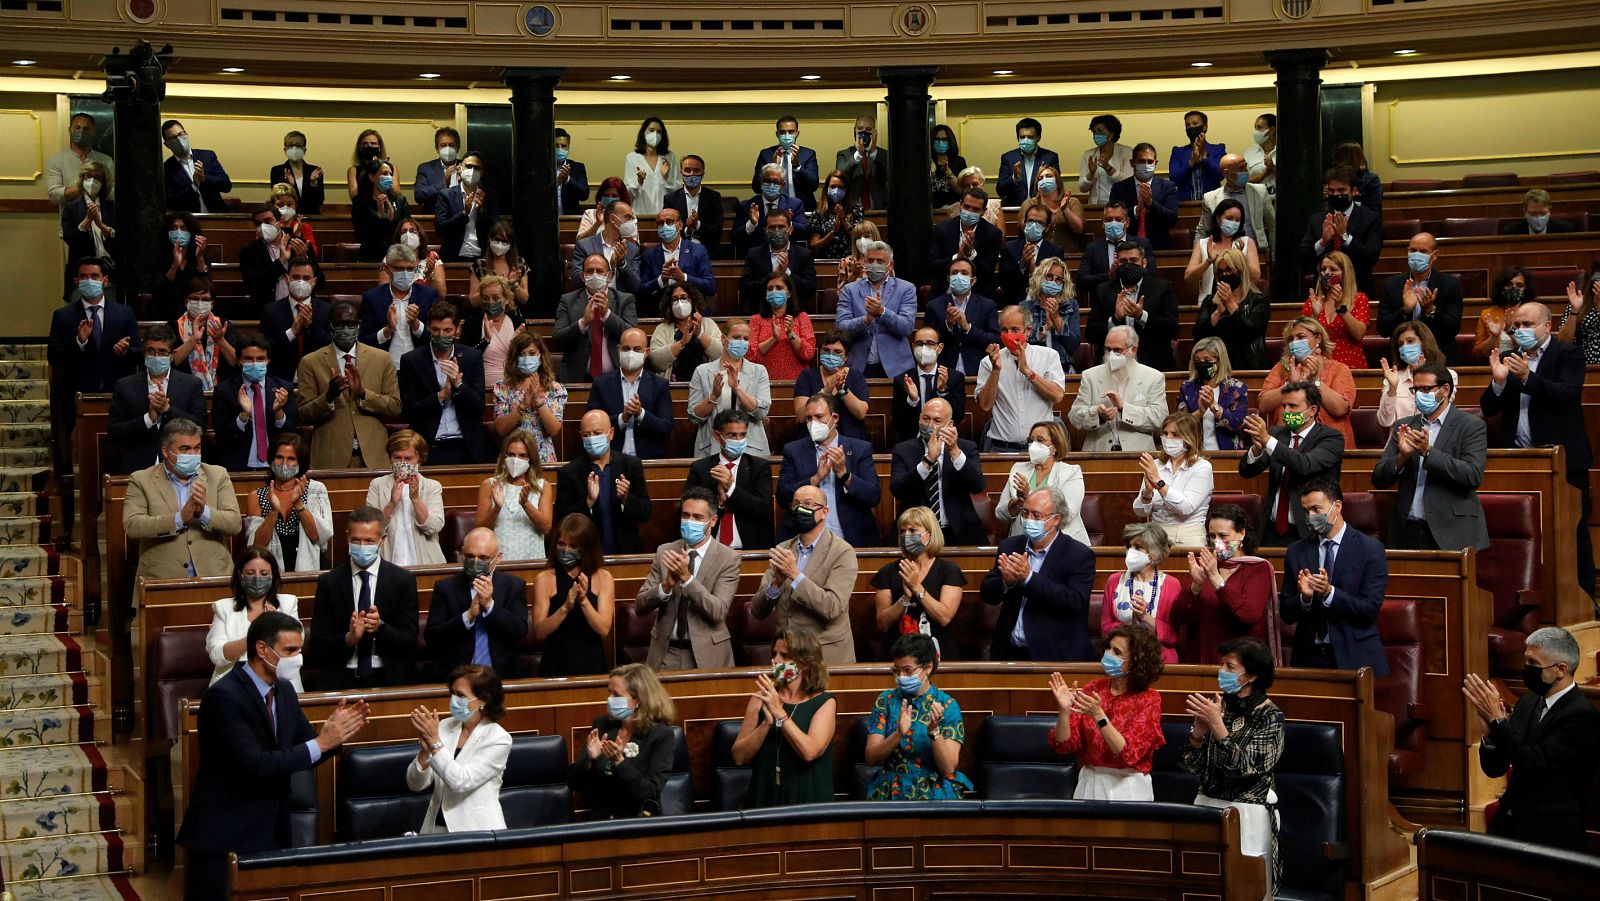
(1102, 722)
(780, 722)
(1160, 484)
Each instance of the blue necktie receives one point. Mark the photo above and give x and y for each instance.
(99, 329)
(480, 642)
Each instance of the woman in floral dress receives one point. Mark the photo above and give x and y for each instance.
(916, 731)
(529, 397)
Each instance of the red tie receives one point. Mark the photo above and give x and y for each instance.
(1281, 522)
(259, 414)
(725, 520)
(272, 708)
(597, 347)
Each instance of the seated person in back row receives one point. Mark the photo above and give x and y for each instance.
(1536, 217)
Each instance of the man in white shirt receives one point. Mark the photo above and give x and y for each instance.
(692, 580)
(1121, 402)
(1018, 386)
(61, 170)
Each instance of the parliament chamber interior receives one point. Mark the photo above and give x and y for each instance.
(1151, 513)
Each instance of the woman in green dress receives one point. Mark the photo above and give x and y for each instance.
(788, 726)
(916, 731)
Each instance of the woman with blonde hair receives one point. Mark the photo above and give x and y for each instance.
(1048, 445)
(488, 323)
(287, 205)
(528, 397)
(1235, 311)
(1308, 357)
(919, 594)
(1052, 305)
(1178, 482)
(1141, 594)
(853, 267)
(412, 504)
(516, 501)
(369, 147)
(1214, 396)
(787, 733)
(1227, 233)
(1341, 309)
(627, 757)
(1065, 225)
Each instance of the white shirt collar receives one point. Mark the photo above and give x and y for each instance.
(1550, 700)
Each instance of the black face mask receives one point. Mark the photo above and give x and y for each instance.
(1231, 279)
(567, 559)
(1205, 371)
(370, 153)
(1510, 294)
(1194, 131)
(1339, 202)
(801, 520)
(1129, 273)
(1533, 677)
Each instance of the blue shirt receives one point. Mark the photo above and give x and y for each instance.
(830, 489)
(1035, 561)
(261, 689)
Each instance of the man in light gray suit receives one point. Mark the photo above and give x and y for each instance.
(810, 577)
(618, 242)
(596, 304)
(1442, 449)
(692, 581)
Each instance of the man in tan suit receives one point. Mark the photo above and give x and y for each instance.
(181, 511)
(693, 581)
(810, 577)
(346, 390)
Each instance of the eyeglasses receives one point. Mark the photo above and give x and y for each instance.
(905, 670)
(1036, 517)
(1425, 389)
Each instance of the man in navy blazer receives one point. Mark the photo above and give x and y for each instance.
(643, 422)
(1347, 227)
(699, 207)
(441, 386)
(967, 325)
(401, 263)
(468, 207)
(798, 163)
(236, 446)
(384, 654)
(1021, 254)
(690, 262)
(948, 461)
(1100, 258)
(605, 243)
(750, 227)
(1018, 167)
(296, 325)
(434, 176)
(1333, 587)
(1151, 202)
(253, 738)
(264, 265)
(840, 466)
(572, 177)
(1041, 581)
(90, 363)
(763, 259)
(1196, 167)
(967, 236)
(141, 403)
(931, 380)
(477, 615)
(195, 178)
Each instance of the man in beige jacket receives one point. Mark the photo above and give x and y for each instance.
(347, 389)
(692, 581)
(181, 511)
(810, 577)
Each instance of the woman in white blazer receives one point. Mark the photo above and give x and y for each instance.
(256, 580)
(291, 516)
(1047, 444)
(463, 758)
(412, 504)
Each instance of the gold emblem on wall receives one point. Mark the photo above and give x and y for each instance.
(914, 20)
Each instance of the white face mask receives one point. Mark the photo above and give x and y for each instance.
(91, 186)
(499, 248)
(516, 467)
(818, 431)
(294, 154)
(411, 240)
(652, 138)
(269, 232)
(1115, 361)
(925, 355)
(596, 282)
(629, 229)
(447, 154)
(1173, 446)
(300, 289)
(631, 360)
(470, 175)
(287, 669)
(1136, 559)
(682, 309)
(1038, 452)
(286, 212)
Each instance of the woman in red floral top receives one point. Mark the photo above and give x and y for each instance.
(781, 337)
(1113, 724)
(1334, 301)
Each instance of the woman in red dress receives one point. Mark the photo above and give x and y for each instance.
(1113, 724)
(1342, 310)
(1229, 587)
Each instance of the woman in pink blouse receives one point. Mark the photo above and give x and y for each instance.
(1142, 594)
(781, 338)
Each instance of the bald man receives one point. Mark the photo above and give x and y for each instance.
(810, 577)
(605, 485)
(1259, 211)
(940, 471)
(478, 615)
(638, 401)
(1423, 294)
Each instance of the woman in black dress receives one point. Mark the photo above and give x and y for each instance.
(919, 594)
(787, 733)
(377, 207)
(628, 756)
(574, 602)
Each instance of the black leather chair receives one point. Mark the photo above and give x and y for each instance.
(730, 782)
(535, 791)
(373, 799)
(1016, 761)
(179, 669)
(303, 809)
(677, 795)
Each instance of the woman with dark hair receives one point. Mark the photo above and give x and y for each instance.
(1107, 162)
(1368, 187)
(1580, 324)
(1227, 233)
(1512, 288)
(376, 209)
(1113, 724)
(256, 584)
(409, 231)
(1234, 746)
(208, 345)
(463, 758)
(293, 519)
(947, 164)
(1412, 345)
(1261, 157)
(685, 337)
(831, 225)
(184, 250)
(501, 258)
(916, 731)
(627, 757)
(651, 170)
(369, 147)
(788, 726)
(781, 338)
(574, 601)
(610, 191)
(1229, 586)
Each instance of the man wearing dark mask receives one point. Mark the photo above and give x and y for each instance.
(1138, 299)
(195, 179)
(1548, 744)
(298, 324)
(810, 577)
(699, 207)
(478, 615)
(1333, 588)
(346, 390)
(441, 388)
(1196, 167)
(1151, 202)
(1344, 226)
(865, 166)
(778, 253)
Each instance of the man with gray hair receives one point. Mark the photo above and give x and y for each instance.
(1549, 742)
(750, 230)
(878, 312)
(394, 315)
(1019, 385)
(1121, 403)
(1041, 580)
(181, 511)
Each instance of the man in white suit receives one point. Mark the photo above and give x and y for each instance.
(1260, 212)
(1121, 402)
(692, 581)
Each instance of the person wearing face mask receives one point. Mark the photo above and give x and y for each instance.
(779, 255)
(811, 573)
(1141, 594)
(1177, 484)
(1547, 743)
(1018, 167)
(944, 164)
(430, 269)
(1346, 227)
(1212, 394)
(528, 397)
(291, 216)
(574, 601)
(1259, 212)
(516, 500)
(1113, 725)
(607, 486)
(675, 258)
(346, 389)
(1196, 167)
(650, 170)
(1020, 385)
(965, 322)
(841, 466)
(264, 262)
(781, 336)
(1021, 256)
(834, 376)
(1233, 309)
(1134, 297)
(1107, 162)
(89, 219)
(207, 343)
(1308, 358)
(144, 401)
(1512, 288)
(920, 593)
(462, 758)
(1041, 581)
(466, 215)
(1121, 403)
(971, 177)
(394, 316)
(441, 388)
(181, 512)
(1234, 744)
(740, 482)
(195, 179)
(865, 166)
(638, 401)
(257, 589)
(1295, 454)
(572, 177)
(441, 174)
(750, 229)
(249, 407)
(699, 207)
(610, 192)
(1344, 317)
(1099, 263)
(878, 313)
(189, 256)
(624, 764)
(62, 169)
(1411, 347)
(1045, 467)
(692, 581)
(1226, 233)
(1333, 586)
(369, 147)
(1229, 586)
(1051, 302)
(291, 517)
(1580, 322)
(1261, 157)
(686, 337)
(852, 266)
(1422, 294)
(412, 503)
(1536, 219)
(490, 324)
(786, 737)
(1065, 225)
(303, 179)
(966, 236)
(478, 616)
(939, 471)
(915, 731)
(501, 259)
(93, 343)
(1435, 460)
(1151, 202)
(618, 242)
(364, 616)
(799, 164)
(257, 738)
(377, 209)
(928, 381)
(731, 382)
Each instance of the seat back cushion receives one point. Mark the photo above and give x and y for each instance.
(1017, 762)
(535, 791)
(374, 801)
(730, 782)
(181, 669)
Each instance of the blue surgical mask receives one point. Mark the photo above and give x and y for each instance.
(363, 555)
(1538, 224)
(692, 181)
(386, 183)
(186, 465)
(158, 366)
(735, 447)
(771, 190)
(404, 279)
(1417, 261)
(909, 685)
(1228, 682)
(1115, 230)
(1101, 140)
(836, 195)
(1035, 529)
(693, 531)
(1228, 227)
(831, 360)
(667, 231)
(1027, 145)
(527, 365)
(960, 283)
(461, 708)
(1047, 186)
(255, 370)
(90, 289)
(777, 298)
(1410, 354)
(1241, 178)
(941, 146)
(738, 347)
(1144, 171)
(1033, 232)
(561, 155)
(969, 218)
(1526, 338)
(1112, 665)
(1051, 288)
(787, 140)
(1427, 402)
(618, 708)
(596, 445)
(1300, 348)
(178, 236)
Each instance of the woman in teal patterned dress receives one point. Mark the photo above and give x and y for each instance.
(916, 731)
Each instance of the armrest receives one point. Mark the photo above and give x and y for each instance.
(1417, 711)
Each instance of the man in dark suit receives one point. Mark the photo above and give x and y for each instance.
(310, 190)
(699, 207)
(638, 401)
(675, 260)
(1345, 226)
(364, 627)
(741, 483)
(464, 216)
(1151, 202)
(799, 164)
(1536, 391)
(141, 403)
(750, 229)
(441, 386)
(967, 236)
(264, 262)
(381, 323)
(195, 179)
(608, 487)
(1018, 167)
(478, 615)
(966, 323)
(595, 305)
(1548, 744)
(617, 241)
(572, 177)
(927, 381)
(1298, 452)
(253, 738)
(865, 166)
(841, 467)
(1041, 581)
(1020, 255)
(1333, 586)
(1423, 294)
(775, 255)
(1536, 217)
(939, 471)
(434, 176)
(1436, 458)
(297, 324)
(249, 411)
(93, 343)
(1140, 300)
(1099, 261)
